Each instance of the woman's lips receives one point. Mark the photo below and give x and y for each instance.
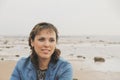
(46, 50)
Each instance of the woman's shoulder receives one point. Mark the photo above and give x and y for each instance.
(23, 62)
(64, 67)
(63, 62)
(23, 59)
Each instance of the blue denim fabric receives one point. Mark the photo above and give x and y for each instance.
(25, 70)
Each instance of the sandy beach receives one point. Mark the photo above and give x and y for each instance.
(91, 57)
(6, 68)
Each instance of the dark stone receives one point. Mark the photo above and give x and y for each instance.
(99, 59)
(17, 55)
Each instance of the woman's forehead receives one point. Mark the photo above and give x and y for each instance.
(46, 32)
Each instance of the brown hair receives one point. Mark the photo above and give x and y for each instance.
(36, 29)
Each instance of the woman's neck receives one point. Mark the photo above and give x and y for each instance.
(43, 63)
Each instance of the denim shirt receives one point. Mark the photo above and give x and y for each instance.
(24, 70)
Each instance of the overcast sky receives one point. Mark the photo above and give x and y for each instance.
(71, 17)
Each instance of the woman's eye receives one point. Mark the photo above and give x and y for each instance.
(41, 39)
(52, 40)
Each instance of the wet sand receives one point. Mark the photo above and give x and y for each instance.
(6, 68)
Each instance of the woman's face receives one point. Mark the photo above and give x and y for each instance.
(44, 43)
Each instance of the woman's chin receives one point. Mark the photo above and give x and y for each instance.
(45, 57)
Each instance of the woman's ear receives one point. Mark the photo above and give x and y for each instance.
(32, 43)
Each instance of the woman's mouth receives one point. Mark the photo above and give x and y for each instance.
(46, 51)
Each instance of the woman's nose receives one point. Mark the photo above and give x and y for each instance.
(47, 43)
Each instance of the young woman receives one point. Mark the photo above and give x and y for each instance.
(45, 62)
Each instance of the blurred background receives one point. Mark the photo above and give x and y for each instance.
(89, 34)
